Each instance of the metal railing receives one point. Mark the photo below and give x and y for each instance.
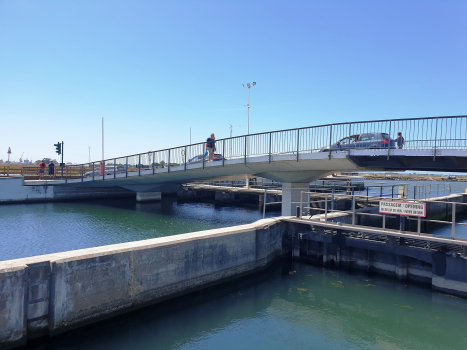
(419, 133)
(328, 199)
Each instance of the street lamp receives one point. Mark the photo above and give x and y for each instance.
(248, 104)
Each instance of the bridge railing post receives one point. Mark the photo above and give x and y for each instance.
(298, 142)
(453, 220)
(270, 145)
(204, 152)
(264, 203)
(184, 154)
(139, 164)
(330, 141)
(82, 173)
(115, 167)
(154, 162)
(92, 171)
(168, 161)
(126, 167)
(326, 207)
(353, 209)
(223, 152)
(246, 140)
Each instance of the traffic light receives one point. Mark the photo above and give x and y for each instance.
(58, 147)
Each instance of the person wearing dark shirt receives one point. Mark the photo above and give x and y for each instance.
(211, 147)
(51, 169)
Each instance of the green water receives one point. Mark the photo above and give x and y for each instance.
(36, 229)
(289, 306)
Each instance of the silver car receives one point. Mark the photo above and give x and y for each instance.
(373, 140)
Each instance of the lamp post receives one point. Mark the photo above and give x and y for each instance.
(248, 128)
(248, 104)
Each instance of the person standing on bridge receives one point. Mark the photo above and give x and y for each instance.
(51, 169)
(42, 166)
(400, 140)
(211, 147)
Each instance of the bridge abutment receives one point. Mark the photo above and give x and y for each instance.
(148, 196)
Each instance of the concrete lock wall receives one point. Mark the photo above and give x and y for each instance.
(445, 272)
(12, 190)
(51, 293)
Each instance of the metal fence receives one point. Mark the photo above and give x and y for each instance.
(362, 201)
(419, 133)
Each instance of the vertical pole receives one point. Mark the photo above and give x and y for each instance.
(270, 145)
(168, 168)
(419, 225)
(436, 134)
(392, 191)
(384, 221)
(115, 167)
(353, 209)
(332, 198)
(103, 170)
(301, 203)
(102, 139)
(389, 141)
(139, 164)
(61, 165)
(154, 161)
(223, 153)
(367, 190)
(92, 171)
(204, 151)
(126, 168)
(185, 156)
(326, 208)
(330, 141)
(298, 142)
(453, 220)
(82, 173)
(264, 203)
(245, 147)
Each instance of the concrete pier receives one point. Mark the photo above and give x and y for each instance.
(52, 293)
(291, 196)
(148, 196)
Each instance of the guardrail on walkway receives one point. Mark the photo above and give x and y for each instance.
(419, 133)
(365, 201)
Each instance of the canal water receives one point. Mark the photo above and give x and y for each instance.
(37, 229)
(289, 306)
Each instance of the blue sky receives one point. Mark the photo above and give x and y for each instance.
(154, 69)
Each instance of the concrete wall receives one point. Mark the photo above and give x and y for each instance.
(446, 272)
(51, 293)
(12, 190)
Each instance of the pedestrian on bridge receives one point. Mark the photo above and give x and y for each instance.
(400, 140)
(211, 147)
(51, 169)
(42, 166)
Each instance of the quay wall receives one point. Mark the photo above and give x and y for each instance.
(12, 190)
(46, 295)
(442, 270)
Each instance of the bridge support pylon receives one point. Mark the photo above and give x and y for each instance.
(148, 196)
(291, 197)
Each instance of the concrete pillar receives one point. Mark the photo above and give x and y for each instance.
(401, 267)
(291, 197)
(148, 196)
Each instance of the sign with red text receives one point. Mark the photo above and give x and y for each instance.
(402, 208)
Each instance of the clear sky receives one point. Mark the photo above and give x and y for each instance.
(153, 69)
